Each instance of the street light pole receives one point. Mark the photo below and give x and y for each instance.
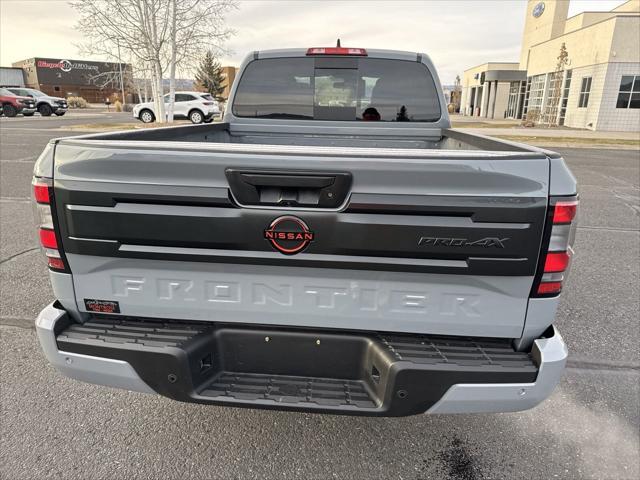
(121, 80)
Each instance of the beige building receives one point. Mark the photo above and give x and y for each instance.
(229, 74)
(595, 83)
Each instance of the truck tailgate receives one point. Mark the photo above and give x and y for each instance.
(439, 242)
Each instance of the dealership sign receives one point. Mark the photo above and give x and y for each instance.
(52, 71)
(66, 65)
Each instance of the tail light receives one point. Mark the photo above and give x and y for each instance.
(555, 259)
(46, 223)
(207, 103)
(358, 52)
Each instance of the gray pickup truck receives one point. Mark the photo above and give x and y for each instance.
(332, 246)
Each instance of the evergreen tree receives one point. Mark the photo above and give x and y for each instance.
(210, 77)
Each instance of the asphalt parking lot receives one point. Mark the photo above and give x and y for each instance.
(51, 426)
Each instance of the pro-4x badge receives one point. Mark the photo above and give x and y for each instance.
(462, 242)
(289, 234)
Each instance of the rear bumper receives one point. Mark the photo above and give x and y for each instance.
(98, 370)
(358, 374)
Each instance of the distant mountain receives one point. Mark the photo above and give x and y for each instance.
(181, 84)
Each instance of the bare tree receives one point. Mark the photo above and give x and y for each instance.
(161, 35)
(456, 95)
(116, 78)
(196, 26)
(172, 62)
(142, 80)
(554, 98)
(139, 27)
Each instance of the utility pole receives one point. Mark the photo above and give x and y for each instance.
(121, 79)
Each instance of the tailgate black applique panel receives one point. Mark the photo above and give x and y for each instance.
(471, 235)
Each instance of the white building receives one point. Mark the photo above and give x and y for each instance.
(597, 87)
(11, 77)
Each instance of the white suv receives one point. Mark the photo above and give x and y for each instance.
(196, 106)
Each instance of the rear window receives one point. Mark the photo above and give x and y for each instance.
(312, 88)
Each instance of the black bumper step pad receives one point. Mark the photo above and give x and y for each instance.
(152, 334)
(290, 389)
(462, 351)
(361, 373)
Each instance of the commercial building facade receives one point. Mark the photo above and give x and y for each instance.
(581, 72)
(94, 81)
(485, 90)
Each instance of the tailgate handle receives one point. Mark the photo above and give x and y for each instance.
(287, 181)
(289, 188)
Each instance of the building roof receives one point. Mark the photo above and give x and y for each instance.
(490, 64)
(505, 75)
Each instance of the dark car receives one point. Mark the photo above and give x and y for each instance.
(12, 104)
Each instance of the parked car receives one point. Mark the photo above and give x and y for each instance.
(45, 104)
(358, 259)
(13, 104)
(196, 106)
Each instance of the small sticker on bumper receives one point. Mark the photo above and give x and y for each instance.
(101, 306)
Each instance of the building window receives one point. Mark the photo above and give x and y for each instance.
(585, 89)
(535, 97)
(554, 95)
(629, 92)
(565, 97)
(514, 92)
(527, 93)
